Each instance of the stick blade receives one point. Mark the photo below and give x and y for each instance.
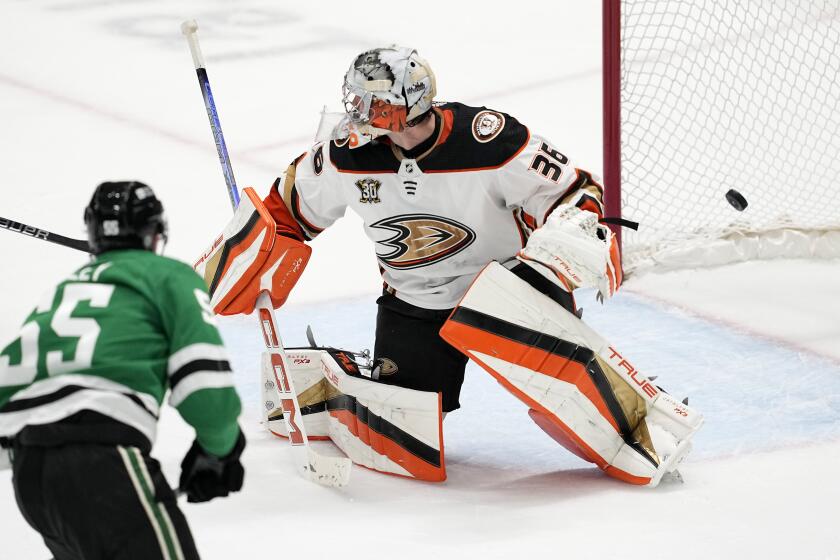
(326, 470)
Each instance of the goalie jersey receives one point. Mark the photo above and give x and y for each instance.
(440, 212)
(95, 358)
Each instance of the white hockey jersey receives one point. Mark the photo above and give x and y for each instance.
(436, 220)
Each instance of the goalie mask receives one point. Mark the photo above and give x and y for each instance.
(124, 215)
(385, 90)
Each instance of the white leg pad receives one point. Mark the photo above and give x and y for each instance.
(581, 390)
(382, 427)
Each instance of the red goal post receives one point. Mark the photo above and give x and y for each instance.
(703, 96)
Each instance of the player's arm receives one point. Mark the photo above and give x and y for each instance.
(540, 178)
(198, 369)
(18, 361)
(561, 207)
(306, 199)
(18, 369)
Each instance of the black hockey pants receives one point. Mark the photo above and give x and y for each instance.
(409, 336)
(92, 502)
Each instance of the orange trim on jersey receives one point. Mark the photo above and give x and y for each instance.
(447, 123)
(522, 237)
(529, 220)
(454, 333)
(367, 172)
(588, 203)
(383, 445)
(582, 179)
(276, 206)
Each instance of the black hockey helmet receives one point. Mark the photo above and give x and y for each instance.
(124, 215)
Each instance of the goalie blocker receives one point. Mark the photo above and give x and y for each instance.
(580, 389)
(253, 254)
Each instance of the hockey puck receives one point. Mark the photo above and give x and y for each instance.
(736, 199)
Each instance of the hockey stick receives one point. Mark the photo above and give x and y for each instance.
(323, 469)
(38, 233)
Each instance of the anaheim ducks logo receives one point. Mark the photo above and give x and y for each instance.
(487, 125)
(421, 240)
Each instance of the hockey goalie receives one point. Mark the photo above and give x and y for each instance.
(483, 229)
(517, 321)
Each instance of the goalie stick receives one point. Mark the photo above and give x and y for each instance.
(44, 235)
(324, 469)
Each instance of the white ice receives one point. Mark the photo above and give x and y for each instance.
(104, 89)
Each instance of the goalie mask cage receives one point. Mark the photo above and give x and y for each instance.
(701, 96)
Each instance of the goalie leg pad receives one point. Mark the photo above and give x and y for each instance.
(382, 427)
(312, 389)
(581, 391)
(386, 428)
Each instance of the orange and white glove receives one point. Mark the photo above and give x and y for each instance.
(249, 257)
(579, 251)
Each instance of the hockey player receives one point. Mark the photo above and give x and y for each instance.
(443, 190)
(81, 390)
(482, 231)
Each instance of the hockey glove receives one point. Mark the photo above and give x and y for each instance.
(579, 251)
(205, 476)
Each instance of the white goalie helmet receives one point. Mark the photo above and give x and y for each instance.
(385, 90)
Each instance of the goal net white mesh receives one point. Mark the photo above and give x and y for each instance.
(718, 95)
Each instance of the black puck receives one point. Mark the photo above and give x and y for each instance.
(736, 199)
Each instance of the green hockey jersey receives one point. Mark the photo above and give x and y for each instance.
(110, 340)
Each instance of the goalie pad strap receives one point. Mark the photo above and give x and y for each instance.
(545, 286)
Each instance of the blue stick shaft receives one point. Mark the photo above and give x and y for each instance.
(218, 136)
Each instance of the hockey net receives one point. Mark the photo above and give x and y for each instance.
(702, 96)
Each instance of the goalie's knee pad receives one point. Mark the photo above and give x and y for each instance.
(382, 427)
(581, 391)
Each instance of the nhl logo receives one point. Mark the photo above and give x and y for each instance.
(410, 174)
(487, 125)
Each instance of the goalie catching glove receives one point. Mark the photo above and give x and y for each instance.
(574, 250)
(253, 254)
